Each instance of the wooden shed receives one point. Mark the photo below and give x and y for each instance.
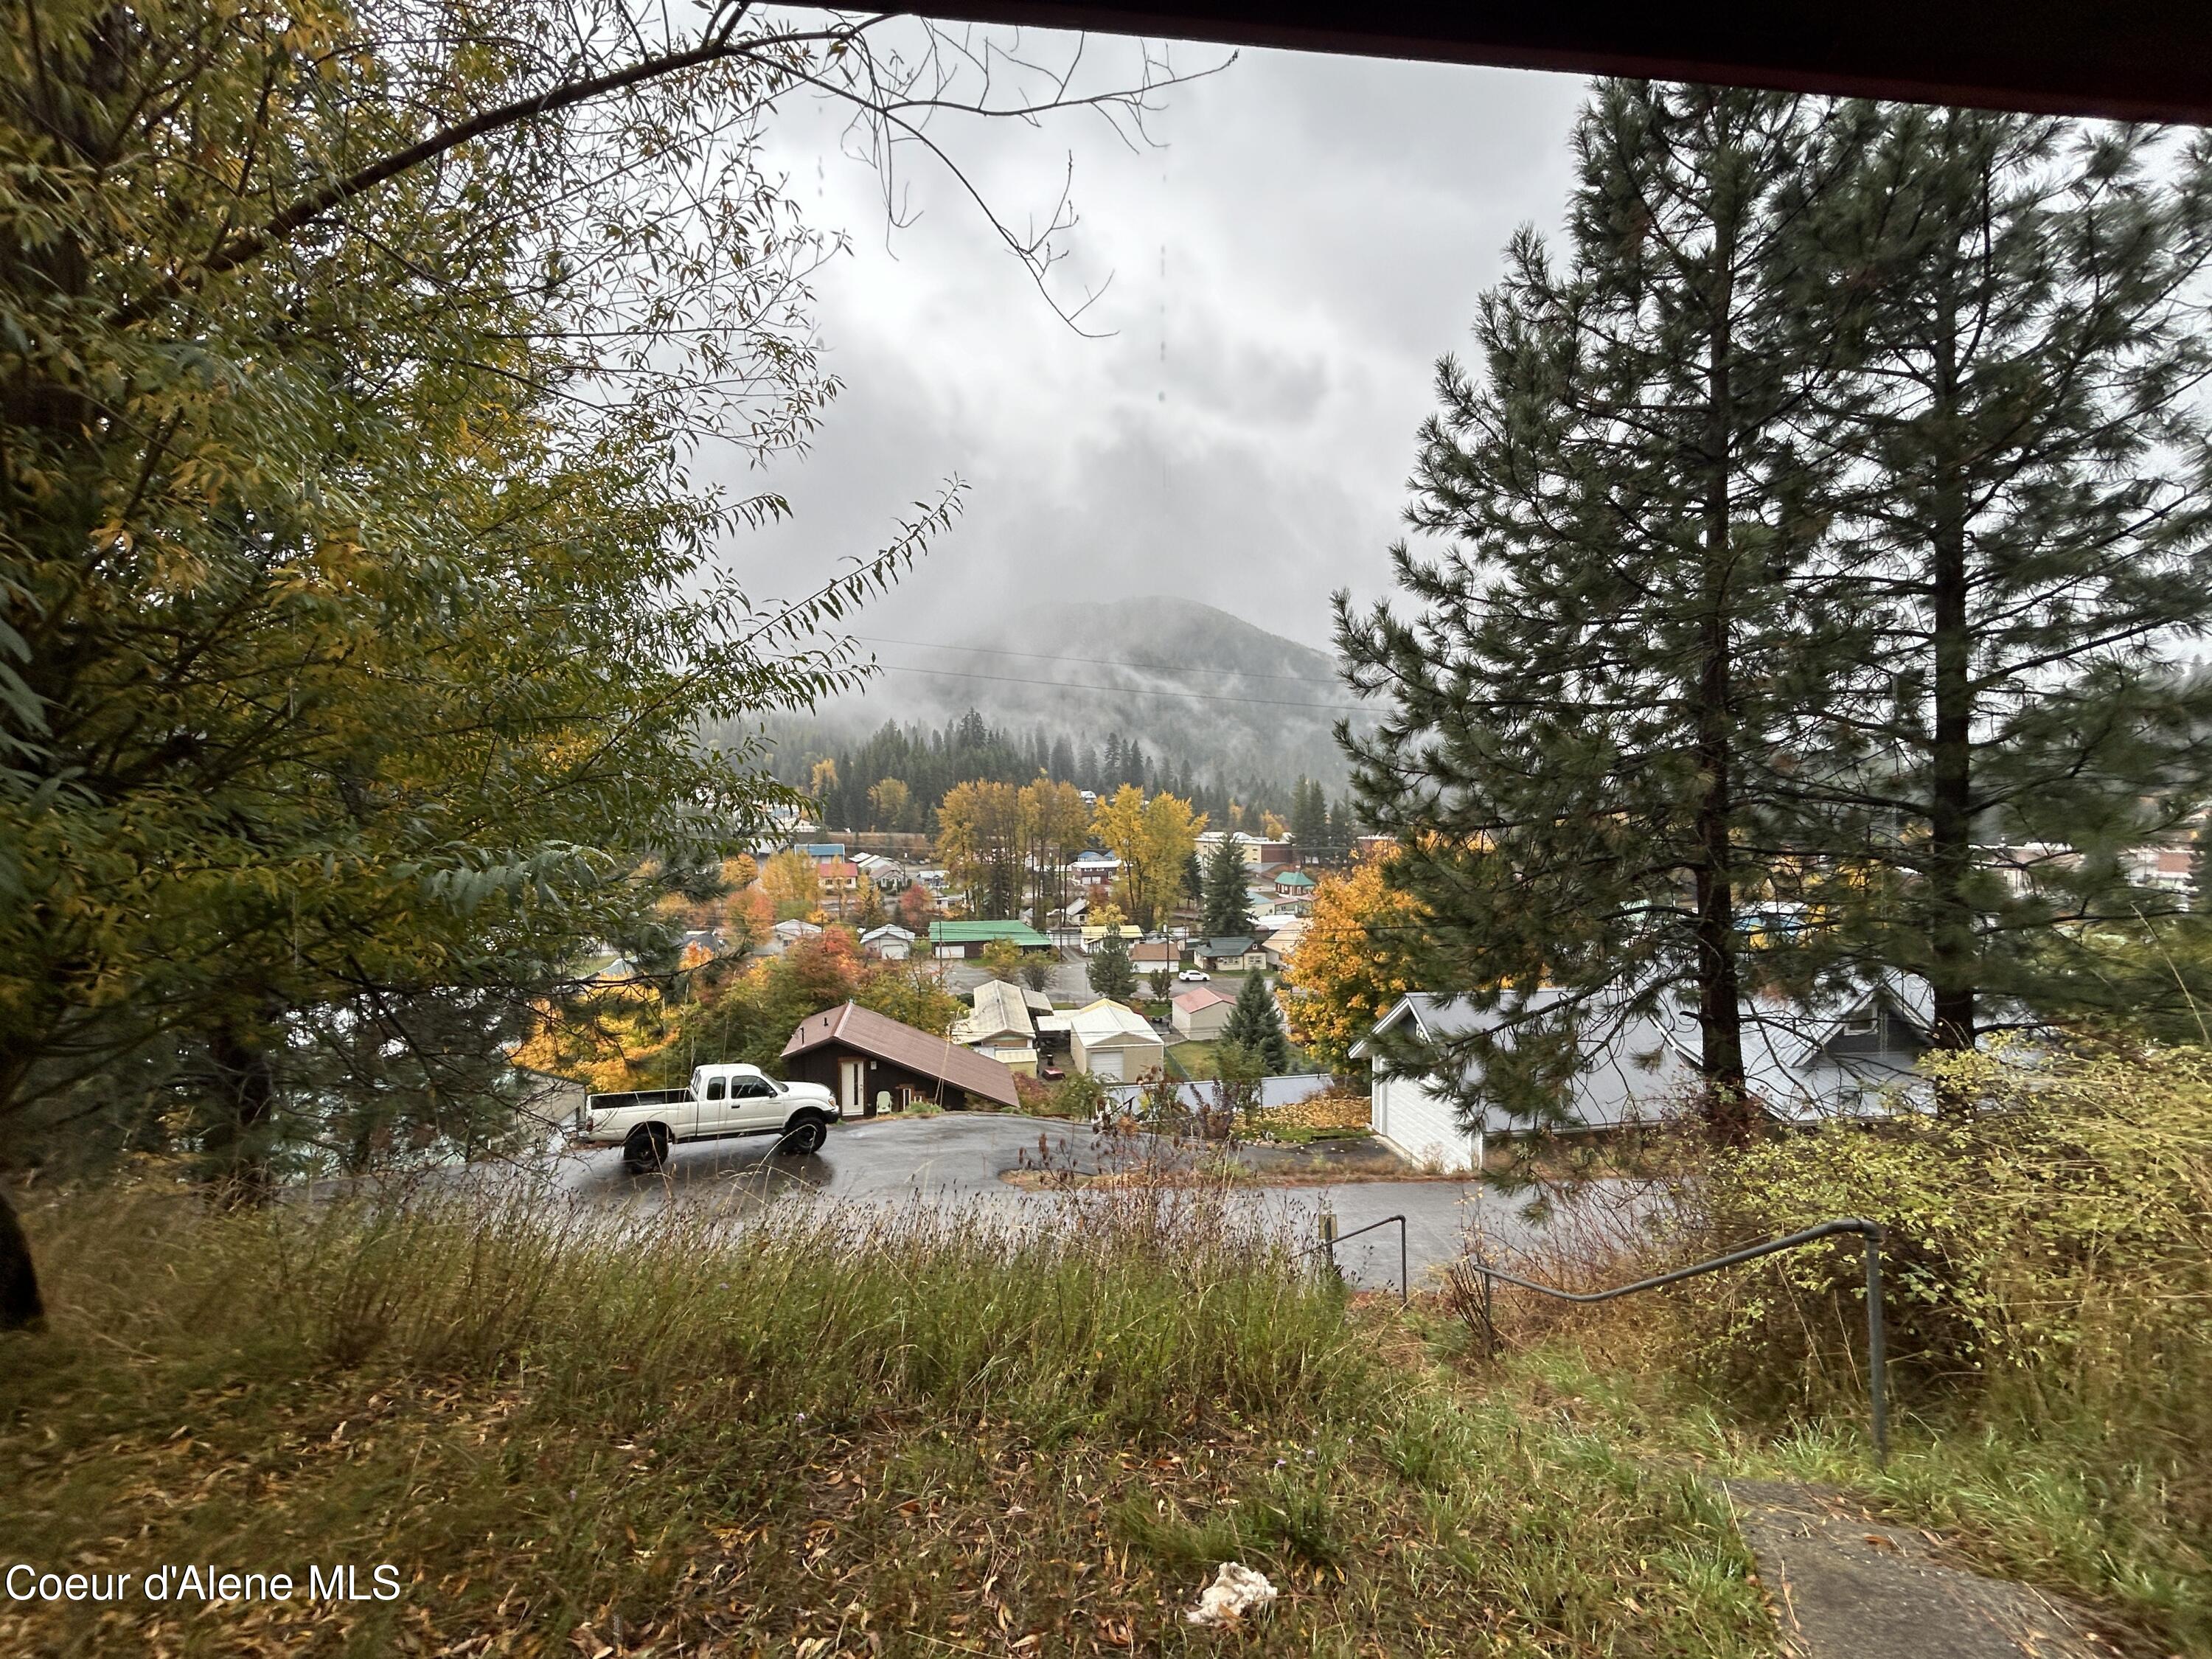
(868, 1060)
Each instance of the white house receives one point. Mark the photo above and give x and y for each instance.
(1112, 1041)
(1803, 1064)
(890, 942)
(1282, 940)
(1201, 1012)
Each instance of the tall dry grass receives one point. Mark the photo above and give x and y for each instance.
(1157, 1299)
(872, 1434)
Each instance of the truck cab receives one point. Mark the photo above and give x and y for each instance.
(721, 1103)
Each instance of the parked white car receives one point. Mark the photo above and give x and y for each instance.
(1194, 976)
(721, 1102)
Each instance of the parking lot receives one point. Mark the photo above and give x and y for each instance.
(960, 1161)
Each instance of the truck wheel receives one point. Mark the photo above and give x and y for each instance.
(646, 1149)
(803, 1138)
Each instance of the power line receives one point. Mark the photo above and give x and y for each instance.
(1124, 690)
(1098, 662)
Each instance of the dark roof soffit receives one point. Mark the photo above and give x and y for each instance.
(2130, 59)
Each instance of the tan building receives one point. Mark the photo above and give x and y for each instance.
(1202, 1014)
(1112, 1041)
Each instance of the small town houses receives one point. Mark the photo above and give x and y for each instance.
(873, 1063)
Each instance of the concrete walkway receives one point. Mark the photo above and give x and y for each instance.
(1846, 1586)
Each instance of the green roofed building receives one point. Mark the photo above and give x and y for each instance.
(953, 939)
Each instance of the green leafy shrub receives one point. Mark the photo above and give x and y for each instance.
(2060, 1236)
(2048, 1297)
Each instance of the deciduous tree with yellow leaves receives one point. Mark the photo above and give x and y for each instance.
(1152, 838)
(1348, 968)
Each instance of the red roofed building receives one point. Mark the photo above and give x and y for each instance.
(839, 881)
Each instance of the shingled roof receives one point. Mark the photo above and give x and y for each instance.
(879, 1036)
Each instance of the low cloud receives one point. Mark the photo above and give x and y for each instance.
(1314, 233)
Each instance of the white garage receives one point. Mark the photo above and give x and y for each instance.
(1852, 1056)
(1409, 1114)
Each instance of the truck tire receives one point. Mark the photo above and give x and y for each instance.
(801, 1137)
(646, 1149)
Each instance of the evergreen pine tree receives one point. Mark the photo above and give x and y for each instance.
(1225, 912)
(1579, 714)
(2021, 420)
(1112, 973)
(1343, 832)
(1309, 821)
(1255, 1024)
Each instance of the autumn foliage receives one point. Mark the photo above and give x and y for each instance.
(644, 1034)
(1348, 968)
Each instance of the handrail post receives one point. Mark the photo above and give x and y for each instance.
(1330, 1238)
(1877, 1357)
(1870, 1232)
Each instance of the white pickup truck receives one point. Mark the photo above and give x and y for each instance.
(721, 1103)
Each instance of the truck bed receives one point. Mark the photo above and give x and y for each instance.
(634, 1098)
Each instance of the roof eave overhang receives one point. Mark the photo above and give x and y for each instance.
(2145, 60)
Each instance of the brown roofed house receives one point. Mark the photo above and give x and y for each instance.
(866, 1058)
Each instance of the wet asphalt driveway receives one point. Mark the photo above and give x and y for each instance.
(960, 1161)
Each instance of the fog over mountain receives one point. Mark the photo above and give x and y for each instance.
(1194, 685)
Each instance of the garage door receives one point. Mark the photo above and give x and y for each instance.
(1106, 1063)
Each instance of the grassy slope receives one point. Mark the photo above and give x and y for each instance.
(922, 1439)
(2050, 1502)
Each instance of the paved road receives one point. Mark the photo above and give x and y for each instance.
(959, 1160)
(1070, 980)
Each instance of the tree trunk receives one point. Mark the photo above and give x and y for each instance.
(1951, 975)
(245, 1104)
(1728, 1110)
(20, 1307)
(1720, 1007)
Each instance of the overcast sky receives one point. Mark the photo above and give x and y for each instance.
(1309, 234)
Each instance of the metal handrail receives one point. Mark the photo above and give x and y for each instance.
(1336, 1239)
(1877, 1363)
